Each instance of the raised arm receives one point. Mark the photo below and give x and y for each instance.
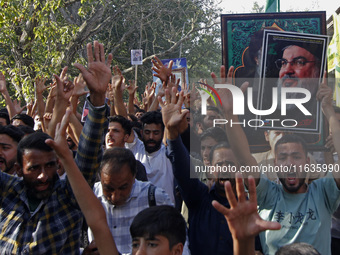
(50, 104)
(192, 189)
(236, 136)
(118, 83)
(78, 91)
(97, 76)
(39, 89)
(63, 94)
(243, 219)
(89, 204)
(5, 94)
(161, 71)
(325, 95)
(131, 88)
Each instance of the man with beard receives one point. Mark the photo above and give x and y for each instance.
(304, 211)
(39, 213)
(151, 152)
(208, 229)
(9, 139)
(299, 68)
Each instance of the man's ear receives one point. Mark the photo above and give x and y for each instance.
(177, 249)
(126, 137)
(18, 169)
(59, 165)
(199, 128)
(266, 135)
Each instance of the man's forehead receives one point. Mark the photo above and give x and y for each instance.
(297, 51)
(35, 156)
(116, 179)
(212, 113)
(114, 124)
(152, 126)
(6, 139)
(289, 148)
(224, 154)
(209, 139)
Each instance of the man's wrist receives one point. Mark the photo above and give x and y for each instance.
(95, 106)
(97, 100)
(172, 133)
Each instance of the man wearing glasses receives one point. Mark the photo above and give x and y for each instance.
(299, 67)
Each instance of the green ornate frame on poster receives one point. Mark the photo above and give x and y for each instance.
(237, 32)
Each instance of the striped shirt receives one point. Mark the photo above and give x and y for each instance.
(119, 218)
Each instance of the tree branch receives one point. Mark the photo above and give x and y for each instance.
(173, 47)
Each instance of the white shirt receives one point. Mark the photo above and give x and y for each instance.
(158, 167)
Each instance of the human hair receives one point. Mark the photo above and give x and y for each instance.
(4, 115)
(124, 122)
(14, 132)
(297, 249)
(214, 109)
(26, 129)
(28, 120)
(292, 138)
(224, 144)
(153, 117)
(140, 110)
(132, 117)
(34, 141)
(217, 133)
(117, 157)
(162, 220)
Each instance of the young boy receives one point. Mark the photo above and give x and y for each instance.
(158, 230)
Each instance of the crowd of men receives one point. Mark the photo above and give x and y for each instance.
(128, 170)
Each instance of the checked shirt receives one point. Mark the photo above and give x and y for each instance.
(55, 226)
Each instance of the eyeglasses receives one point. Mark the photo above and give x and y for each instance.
(298, 62)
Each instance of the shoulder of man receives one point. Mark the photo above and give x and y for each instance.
(155, 195)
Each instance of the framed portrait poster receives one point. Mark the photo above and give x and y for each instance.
(296, 89)
(137, 57)
(250, 44)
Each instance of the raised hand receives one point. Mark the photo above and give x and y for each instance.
(98, 73)
(29, 107)
(110, 93)
(161, 90)
(242, 217)
(3, 87)
(173, 82)
(118, 80)
(79, 86)
(53, 90)
(131, 87)
(172, 113)
(225, 94)
(325, 95)
(40, 85)
(162, 72)
(64, 89)
(17, 106)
